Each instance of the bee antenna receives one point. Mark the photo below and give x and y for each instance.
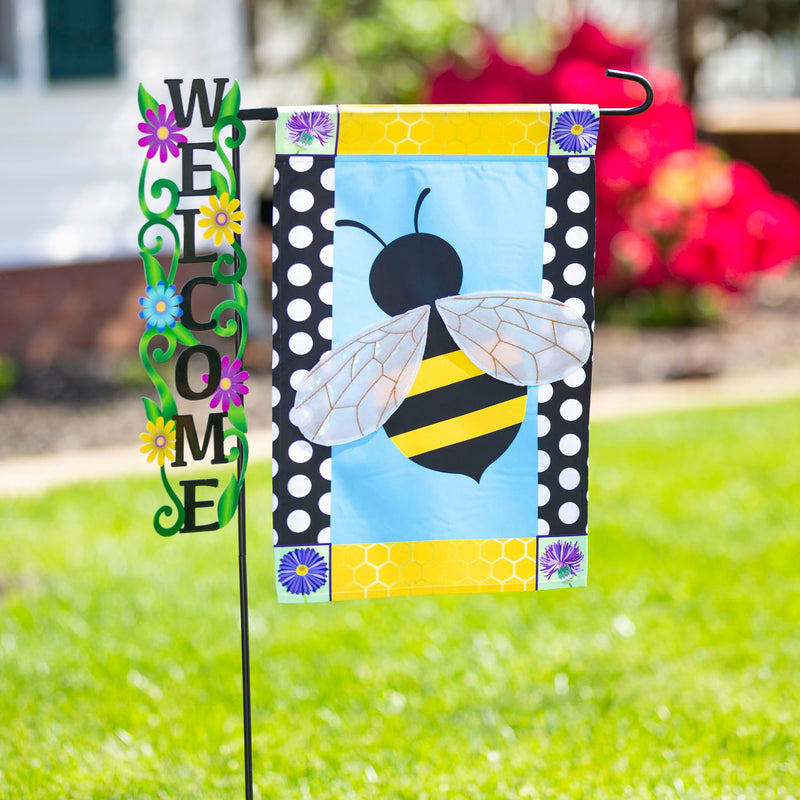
(353, 224)
(422, 195)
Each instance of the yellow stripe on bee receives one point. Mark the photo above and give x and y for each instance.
(459, 429)
(442, 371)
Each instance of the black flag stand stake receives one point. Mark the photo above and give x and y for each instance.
(242, 523)
(272, 114)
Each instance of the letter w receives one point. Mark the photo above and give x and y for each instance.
(196, 93)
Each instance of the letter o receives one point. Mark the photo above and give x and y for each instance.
(182, 372)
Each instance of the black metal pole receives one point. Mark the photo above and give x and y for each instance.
(271, 112)
(242, 522)
(248, 736)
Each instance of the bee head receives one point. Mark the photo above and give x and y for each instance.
(414, 270)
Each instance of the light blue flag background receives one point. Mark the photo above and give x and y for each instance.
(492, 212)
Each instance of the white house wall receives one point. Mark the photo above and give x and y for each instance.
(68, 152)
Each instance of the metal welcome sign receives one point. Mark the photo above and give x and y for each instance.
(206, 200)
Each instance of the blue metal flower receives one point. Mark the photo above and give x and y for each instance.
(161, 307)
(576, 130)
(302, 571)
(305, 126)
(562, 558)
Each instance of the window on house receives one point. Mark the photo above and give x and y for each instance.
(7, 59)
(80, 38)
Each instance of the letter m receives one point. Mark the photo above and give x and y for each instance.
(198, 94)
(185, 432)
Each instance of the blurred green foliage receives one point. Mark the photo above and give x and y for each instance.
(668, 306)
(770, 16)
(373, 51)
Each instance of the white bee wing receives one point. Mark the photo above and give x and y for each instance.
(520, 338)
(356, 387)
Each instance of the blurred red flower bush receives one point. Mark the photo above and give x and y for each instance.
(673, 215)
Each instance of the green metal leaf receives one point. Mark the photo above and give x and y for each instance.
(240, 295)
(146, 102)
(219, 181)
(151, 409)
(238, 418)
(184, 335)
(230, 103)
(228, 502)
(170, 408)
(153, 271)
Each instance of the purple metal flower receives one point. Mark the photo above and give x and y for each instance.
(305, 126)
(562, 558)
(231, 386)
(162, 133)
(576, 131)
(302, 571)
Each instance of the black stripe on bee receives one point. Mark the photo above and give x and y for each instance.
(472, 457)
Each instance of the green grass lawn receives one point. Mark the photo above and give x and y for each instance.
(674, 674)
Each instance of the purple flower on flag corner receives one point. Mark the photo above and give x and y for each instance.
(231, 386)
(576, 130)
(563, 559)
(162, 133)
(302, 571)
(161, 306)
(305, 126)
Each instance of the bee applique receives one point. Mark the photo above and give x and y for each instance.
(447, 375)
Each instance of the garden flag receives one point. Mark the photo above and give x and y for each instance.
(432, 349)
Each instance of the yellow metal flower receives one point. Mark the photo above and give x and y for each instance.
(159, 440)
(221, 218)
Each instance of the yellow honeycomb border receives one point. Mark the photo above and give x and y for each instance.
(496, 130)
(361, 571)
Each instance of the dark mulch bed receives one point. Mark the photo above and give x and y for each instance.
(761, 332)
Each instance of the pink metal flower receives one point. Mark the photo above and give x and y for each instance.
(162, 133)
